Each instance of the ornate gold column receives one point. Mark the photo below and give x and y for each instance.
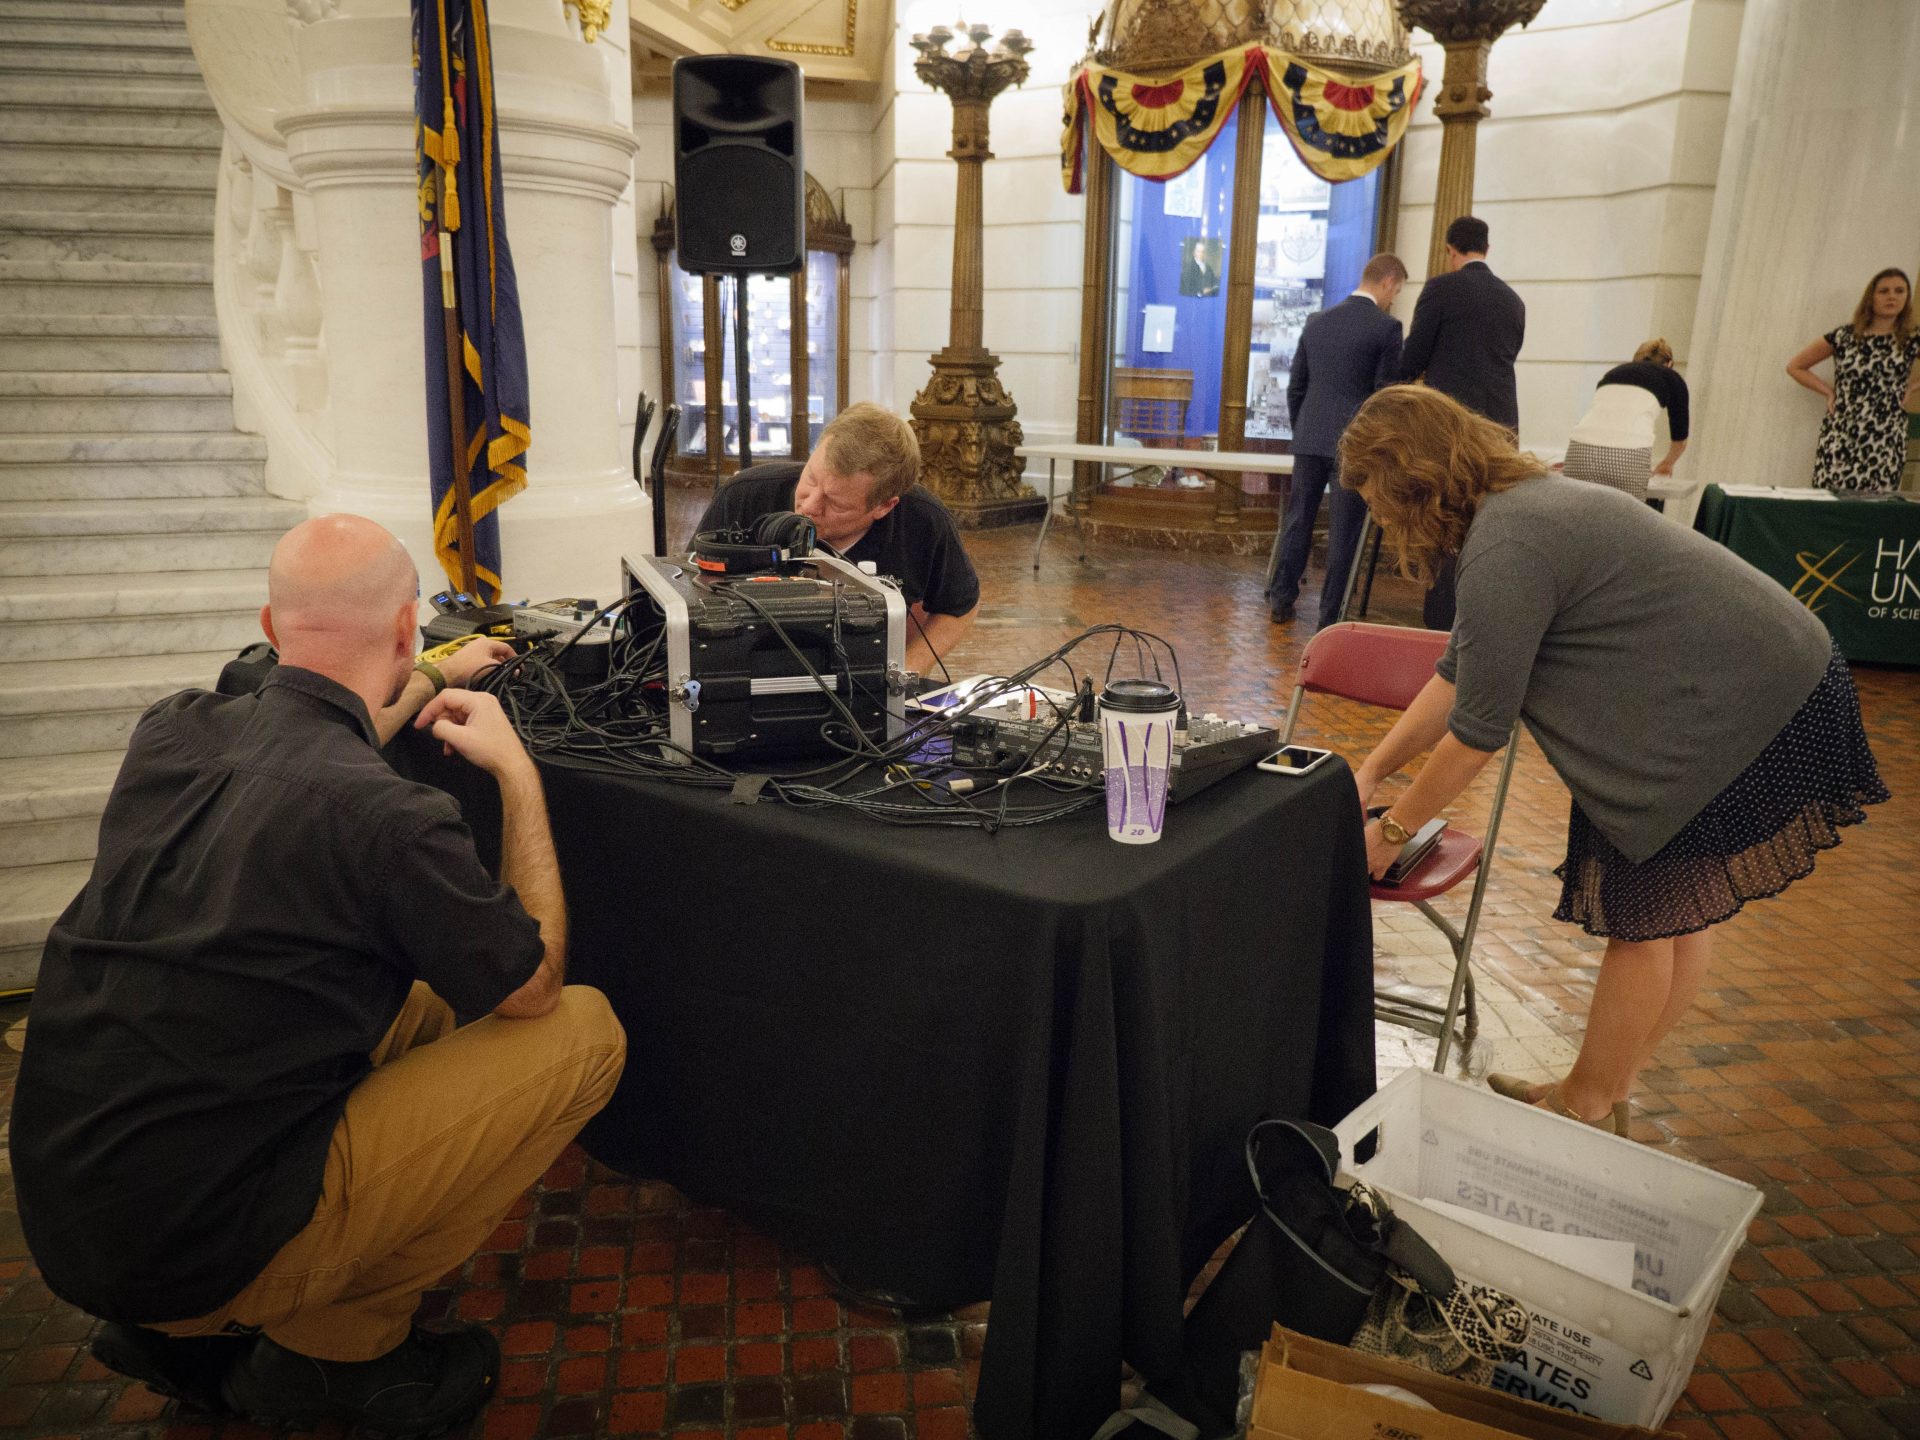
(1467, 29)
(964, 417)
(1242, 246)
(1096, 319)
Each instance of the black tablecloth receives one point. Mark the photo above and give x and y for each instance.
(967, 1066)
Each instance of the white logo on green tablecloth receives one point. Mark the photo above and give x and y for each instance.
(1895, 589)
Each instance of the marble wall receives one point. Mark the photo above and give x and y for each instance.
(1819, 189)
(617, 41)
(1032, 241)
(1596, 174)
(1596, 171)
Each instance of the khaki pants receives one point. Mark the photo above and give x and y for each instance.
(433, 1149)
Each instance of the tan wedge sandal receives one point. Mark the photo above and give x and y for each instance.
(1512, 1087)
(1613, 1120)
(1530, 1092)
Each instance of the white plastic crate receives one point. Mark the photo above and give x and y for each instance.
(1597, 1348)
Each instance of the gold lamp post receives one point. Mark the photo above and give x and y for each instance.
(964, 417)
(1467, 30)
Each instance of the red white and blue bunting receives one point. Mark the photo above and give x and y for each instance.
(1342, 126)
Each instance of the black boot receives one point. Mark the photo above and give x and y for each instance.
(429, 1383)
(187, 1369)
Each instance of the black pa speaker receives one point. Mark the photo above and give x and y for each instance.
(740, 203)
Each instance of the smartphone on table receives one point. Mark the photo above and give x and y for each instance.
(1294, 760)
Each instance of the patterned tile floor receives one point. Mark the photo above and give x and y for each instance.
(625, 1310)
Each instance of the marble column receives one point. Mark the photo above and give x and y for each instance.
(1819, 187)
(565, 162)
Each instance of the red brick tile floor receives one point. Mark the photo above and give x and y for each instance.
(624, 1309)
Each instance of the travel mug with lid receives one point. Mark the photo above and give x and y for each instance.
(1137, 718)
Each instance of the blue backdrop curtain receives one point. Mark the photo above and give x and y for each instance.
(1159, 254)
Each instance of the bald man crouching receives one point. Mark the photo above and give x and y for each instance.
(246, 1130)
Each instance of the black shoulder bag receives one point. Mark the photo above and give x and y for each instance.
(1311, 1259)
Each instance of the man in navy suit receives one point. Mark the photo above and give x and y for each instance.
(1345, 354)
(1467, 329)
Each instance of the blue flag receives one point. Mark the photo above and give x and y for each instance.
(462, 213)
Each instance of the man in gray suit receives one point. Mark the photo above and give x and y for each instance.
(1345, 354)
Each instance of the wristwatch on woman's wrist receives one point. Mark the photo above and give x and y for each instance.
(1393, 831)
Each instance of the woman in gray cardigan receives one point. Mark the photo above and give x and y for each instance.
(1703, 719)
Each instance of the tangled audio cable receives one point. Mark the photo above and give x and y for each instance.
(620, 725)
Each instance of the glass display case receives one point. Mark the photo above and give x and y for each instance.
(797, 330)
(1314, 239)
(1172, 305)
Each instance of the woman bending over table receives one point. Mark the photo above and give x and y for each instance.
(1703, 719)
(1876, 371)
(1613, 443)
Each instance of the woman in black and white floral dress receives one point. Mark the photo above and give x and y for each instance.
(1863, 440)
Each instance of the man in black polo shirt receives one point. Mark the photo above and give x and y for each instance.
(858, 489)
(246, 1130)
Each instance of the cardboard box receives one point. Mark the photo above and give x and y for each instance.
(1304, 1392)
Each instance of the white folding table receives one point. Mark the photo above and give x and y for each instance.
(1138, 457)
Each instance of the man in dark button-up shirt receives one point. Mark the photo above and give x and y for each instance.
(230, 1119)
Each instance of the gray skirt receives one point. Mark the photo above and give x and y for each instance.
(1627, 470)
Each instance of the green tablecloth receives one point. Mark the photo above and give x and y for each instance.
(1854, 563)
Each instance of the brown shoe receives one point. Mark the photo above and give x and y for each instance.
(1622, 1114)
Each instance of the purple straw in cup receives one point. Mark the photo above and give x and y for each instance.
(1137, 720)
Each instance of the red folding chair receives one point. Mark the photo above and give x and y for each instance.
(1389, 665)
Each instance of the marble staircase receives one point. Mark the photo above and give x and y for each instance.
(134, 524)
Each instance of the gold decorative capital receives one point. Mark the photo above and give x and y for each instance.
(1463, 91)
(594, 16)
(975, 73)
(1152, 37)
(1454, 22)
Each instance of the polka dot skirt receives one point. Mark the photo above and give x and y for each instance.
(1752, 840)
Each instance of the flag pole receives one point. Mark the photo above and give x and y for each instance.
(457, 414)
(450, 317)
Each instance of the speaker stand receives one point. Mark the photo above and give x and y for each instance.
(742, 365)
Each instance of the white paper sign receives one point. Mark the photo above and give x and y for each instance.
(1185, 196)
(1157, 329)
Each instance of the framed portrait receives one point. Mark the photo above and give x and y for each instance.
(1200, 268)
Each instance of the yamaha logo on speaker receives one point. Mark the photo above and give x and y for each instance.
(737, 244)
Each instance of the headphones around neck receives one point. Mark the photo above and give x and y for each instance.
(767, 543)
